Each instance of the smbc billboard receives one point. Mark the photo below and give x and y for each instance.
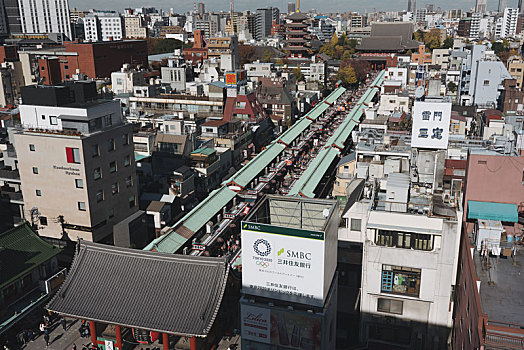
(283, 263)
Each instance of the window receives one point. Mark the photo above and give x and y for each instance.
(43, 117)
(400, 280)
(38, 193)
(43, 221)
(108, 121)
(114, 188)
(53, 120)
(32, 148)
(131, 201)
(129, 181)
(356, 224)
(406, 240)
(111, 213)
(97, 174)
(95, 151)
(79, 183)
(125, 139)
(73, 155)
(127, 160)
(35, 170)
(111, 145)
(486, 82)
(82, 206)
(112, 167)
(390, 305)
(100, 196)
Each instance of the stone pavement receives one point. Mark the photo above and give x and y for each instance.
(60, 340)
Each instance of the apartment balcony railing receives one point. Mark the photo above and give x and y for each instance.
(501, 335)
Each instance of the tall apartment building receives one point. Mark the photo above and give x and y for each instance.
(39, 17)
(76, 161)
(103, 26)
(358, 21)
(509, 22)
(135, 27)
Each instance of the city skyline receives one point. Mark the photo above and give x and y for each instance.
(306, 5)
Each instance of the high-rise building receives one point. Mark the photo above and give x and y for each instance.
(480, 6)
(503, 4)
(412, 5)
(39, 17)
(264, 21)
(135, 27)
(76, 161)
(103, 26)
(12, 15)
(509, 22)
(291, 7)
(520, 5)
(201, 8)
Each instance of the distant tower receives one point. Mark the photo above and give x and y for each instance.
(412, 5)
(291, 8)
(521, 10)
(231, 14)
(480, 6)
(503, 4)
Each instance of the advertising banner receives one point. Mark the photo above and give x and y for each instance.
(431, 124)
(283, 263)
(281, 328)
(255, 323)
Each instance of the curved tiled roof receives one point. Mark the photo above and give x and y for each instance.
(107, 284)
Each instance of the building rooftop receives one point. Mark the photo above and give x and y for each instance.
(501, 281)
(134, 273)
(21, 250)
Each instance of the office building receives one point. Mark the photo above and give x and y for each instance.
(12, 15)
(201, 8)
(103, 26)
(291, 7)
(42, 17)
(480, 6)
(76, 161)
(134, 27)
(264, 22)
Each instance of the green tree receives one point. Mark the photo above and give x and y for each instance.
(268, 55)
(346, 74)
(452, 87)
(298, 74)
(448, 43)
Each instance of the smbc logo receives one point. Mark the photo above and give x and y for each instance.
(262, 247)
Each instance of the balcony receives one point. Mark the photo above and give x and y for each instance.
(9, 175)
(501, 335)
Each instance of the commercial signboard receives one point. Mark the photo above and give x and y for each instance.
(289, 329)
(256, 324)
(283, 263)
(431, 124)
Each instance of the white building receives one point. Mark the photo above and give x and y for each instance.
(410, 244)
(124, 81)
(39, 16)
(103, 26)
(509, 23)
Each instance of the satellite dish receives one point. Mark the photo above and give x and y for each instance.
(419, 92)
(325, 213)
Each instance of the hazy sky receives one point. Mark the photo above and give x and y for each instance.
(181, 6)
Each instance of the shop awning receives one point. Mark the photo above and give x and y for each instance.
(492, 211)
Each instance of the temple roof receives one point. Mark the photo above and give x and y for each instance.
(168, 293)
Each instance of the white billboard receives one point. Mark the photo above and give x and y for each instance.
(283, 263)
(431, 124)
